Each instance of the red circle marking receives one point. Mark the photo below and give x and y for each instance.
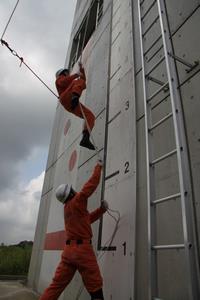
(72, 160)
(67, 126)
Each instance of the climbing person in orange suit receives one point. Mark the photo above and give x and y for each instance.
(78, 254)
(70, 88)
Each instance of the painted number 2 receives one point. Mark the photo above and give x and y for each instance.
(126, 167)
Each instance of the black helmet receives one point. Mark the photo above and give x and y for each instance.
(61, 71)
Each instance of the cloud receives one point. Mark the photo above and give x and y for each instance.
(39, 32)
(27, 108)
(18, 211)
(24, 125)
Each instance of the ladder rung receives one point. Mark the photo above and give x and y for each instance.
(155, 66)
(155, 80)
(154, 54)
(163, 157)
(165, 247)
(160, 101)
(158, 91)
(153, 44)
(150, 26)
(148, 10)
(161, 200)
(161, 121)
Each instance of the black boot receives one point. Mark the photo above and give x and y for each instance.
(85, 142)
(74, 101)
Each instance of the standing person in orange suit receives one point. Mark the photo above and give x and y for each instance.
(70, 88)
(78, 254)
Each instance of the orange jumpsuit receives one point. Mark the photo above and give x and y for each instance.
(75, 256)
(66, 86)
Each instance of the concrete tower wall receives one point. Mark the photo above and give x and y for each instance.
(114, 93)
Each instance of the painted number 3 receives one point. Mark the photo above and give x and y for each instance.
(127, 105)
(126, 167)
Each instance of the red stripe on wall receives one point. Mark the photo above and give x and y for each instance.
(55, 240)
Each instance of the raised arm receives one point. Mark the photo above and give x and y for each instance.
(96, 214)
(91, 185)
(65, 81)
(70, 78)
(82, 72)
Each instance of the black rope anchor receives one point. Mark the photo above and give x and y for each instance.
(13, 52)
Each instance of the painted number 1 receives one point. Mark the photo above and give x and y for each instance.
(124, 245)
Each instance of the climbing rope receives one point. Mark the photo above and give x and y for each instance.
(90, 132)
(9, 19)
(116, 219)
(108, 243)
(13, 52)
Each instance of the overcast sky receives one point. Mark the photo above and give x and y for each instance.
(39, 32)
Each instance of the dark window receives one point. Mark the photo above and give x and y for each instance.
(88, 26)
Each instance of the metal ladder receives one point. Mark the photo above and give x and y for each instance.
(185, 194)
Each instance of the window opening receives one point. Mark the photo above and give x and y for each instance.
(84, 34)
(99, 11)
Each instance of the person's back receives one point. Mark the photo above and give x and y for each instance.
(77, 219)
(76, 216)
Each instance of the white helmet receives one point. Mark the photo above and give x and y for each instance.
(59, 72)
(62, 192)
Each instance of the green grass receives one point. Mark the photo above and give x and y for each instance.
(14, 260)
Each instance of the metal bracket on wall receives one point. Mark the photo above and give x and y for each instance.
(184, 62)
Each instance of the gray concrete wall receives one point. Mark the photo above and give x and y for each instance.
(108, 60)
(114, 92)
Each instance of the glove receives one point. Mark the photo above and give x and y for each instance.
(104, 204)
